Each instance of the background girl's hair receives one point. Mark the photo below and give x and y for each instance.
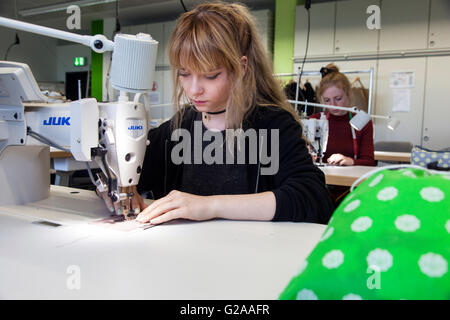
(332, 77)
(219, 34)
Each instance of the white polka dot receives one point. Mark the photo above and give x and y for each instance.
(352, 205)
(333, 259)
(306, 294)
(387, 193)
(349, 197)
(432, 194)
(351, 296)
(327, 234)
(447, 226)
(376, 180)
(361, 224)
(409, 173)
(407, 223)
(446, 176)
(422, 155)
(433, 265)
(302, 267)
(380, 258)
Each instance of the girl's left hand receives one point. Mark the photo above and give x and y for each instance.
(340, 160)
(177, 205)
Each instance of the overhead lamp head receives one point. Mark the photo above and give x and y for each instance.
(360, 120)
(393, 123)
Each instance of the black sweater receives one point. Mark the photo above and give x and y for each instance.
(299, 186)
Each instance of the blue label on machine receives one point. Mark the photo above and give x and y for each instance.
(135, 127)
(57, 121)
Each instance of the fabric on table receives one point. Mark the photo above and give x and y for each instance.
(425, 157)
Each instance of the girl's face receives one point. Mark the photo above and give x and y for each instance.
(208, 91)
(336, 97)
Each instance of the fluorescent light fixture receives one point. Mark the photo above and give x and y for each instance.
(61, 7)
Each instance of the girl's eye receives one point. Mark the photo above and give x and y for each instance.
(181, 74)
(213, 76)
(338, 98)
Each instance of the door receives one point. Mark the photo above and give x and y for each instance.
(436, 125)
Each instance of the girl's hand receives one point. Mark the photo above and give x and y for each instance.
(176, 205)
(340, 160)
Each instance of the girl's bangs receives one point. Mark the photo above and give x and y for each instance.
(196, 52)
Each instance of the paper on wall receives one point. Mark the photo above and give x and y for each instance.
(404, 79)
(401, 100)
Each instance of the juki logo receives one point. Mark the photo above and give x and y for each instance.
(57, 121)
(135, 127)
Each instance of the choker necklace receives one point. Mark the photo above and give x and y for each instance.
(218, 112)
(206, 115)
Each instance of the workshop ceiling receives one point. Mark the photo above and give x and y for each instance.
(131, 12)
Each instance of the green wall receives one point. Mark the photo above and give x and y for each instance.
(284, 36)
(97, 64)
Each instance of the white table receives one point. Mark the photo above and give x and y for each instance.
(180, 260)
(344, 175)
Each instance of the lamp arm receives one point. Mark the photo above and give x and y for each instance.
(327, 106)
(306, 103)
(99, 43)
(380, 117)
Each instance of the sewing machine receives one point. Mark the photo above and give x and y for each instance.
(113, 134)
(316, 132)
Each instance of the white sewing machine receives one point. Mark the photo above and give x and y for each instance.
(113, 134)
(316, 131)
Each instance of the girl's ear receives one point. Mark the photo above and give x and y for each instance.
(244, 62)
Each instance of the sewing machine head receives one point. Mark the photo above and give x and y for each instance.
(316, 133)
(113, 134)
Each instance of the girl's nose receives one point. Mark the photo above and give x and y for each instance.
(196, 88)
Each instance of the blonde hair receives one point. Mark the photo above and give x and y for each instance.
(333, 78)
(216, 35)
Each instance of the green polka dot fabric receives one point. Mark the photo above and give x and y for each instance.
(389, 239)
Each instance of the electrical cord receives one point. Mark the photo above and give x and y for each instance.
(117, 17)
(307, 7)
(184, 7)
(16, 42)
(45, 140)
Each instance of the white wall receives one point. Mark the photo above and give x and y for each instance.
(414, 36)
(37, 51)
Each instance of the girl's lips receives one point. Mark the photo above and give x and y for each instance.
(199, 102)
